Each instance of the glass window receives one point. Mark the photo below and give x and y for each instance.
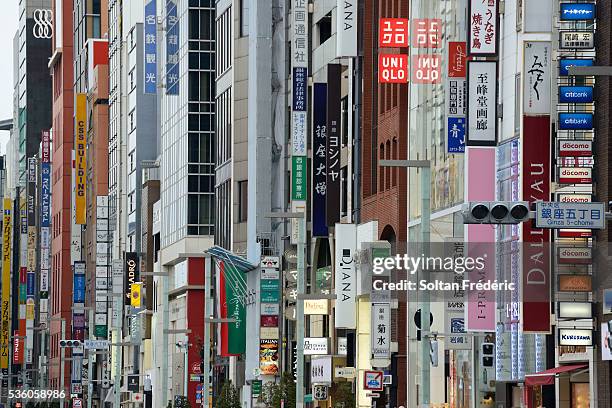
(243, 200)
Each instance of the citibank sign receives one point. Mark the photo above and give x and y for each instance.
(43, 24)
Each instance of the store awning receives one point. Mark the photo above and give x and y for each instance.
(238, 262)
(547, 377)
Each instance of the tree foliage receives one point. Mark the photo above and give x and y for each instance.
(229, 398)
(273, 393)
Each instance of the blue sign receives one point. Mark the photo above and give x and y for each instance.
(78, 290)
(172, 49)
(575, 121)
(319, 163)
(45, 196)
(300, 94)
(150, 47)
(577, 11)
(31, 283)
(456, 135)
(565, 63)
(575, 94)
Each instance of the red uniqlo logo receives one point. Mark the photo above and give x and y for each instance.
(426, 69)
(426, 32)
(392, 68)
(393, 32)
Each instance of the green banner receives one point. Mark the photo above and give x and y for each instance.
(101, 331)
(298, 178)
(236, 331)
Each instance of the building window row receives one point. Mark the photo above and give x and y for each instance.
(224, 126)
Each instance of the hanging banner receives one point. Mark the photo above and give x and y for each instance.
(172, 48)
(80, 147)
(132, 275)
(346, 28)
(537, 69)
(482, 103)
(536, 255)
(150, 47)
(231, 336)
(346, 276)
(482, 33)
(319, 160)
(6, 286)
(332, 212)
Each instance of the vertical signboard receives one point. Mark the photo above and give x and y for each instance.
(45, 223)
(381, 331)
(132, 274)
(482, 29)
(319, 163)
(172, 48)
(346, 275)
(150, 46)
(231, 337)
(300, 106)
(456, 94)
(332, 206)
(536, 257)
(536, 86)
(482, 103)
(80, 147)
(346, 28)
(6, 286)
(299, 187)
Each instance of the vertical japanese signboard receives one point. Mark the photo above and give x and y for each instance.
(482, 103)
(536, 86)
(319, 163)
(482, 29)
(381, 331)
(456, 93)
(150, 46)
(346, 275)
(45, 223)
(80, 147)
(346, 28)
(332, 206)
(172, 48)
(103, 239)
(536, 257)
(298, 178)
(6, 287)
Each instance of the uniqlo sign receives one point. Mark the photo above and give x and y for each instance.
(426, 69)
(393, 33)
(392, 68)
(426, 32)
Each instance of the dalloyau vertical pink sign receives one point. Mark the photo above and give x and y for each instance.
(480, 239)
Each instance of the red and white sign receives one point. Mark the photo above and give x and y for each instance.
(195, 368)
(575, 175)
(137, 397)
(393, 68)
(393, 33)
(573, 256)
(574, 198)
(536, 257)
(575, 233)
(426, 32)
(575, 148)
(427, 69)
(482, 35)
(373, 380)
(77, 403)
(457, 54)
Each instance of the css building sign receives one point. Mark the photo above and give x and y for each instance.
(575, 148)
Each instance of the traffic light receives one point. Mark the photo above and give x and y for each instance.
(487, 354)
(433, 352)
(495, 212)
(70, 343)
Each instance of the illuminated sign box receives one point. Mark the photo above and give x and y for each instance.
(575, 148)
(573, 256)
(574, 198)
(575, 283)
(577, 11)
(565, 63)
(575, 310)
(575, 175)
(575, 94)
(575, 337)
(575, 121)
(316, 346)
(576, 40)
(316, 307)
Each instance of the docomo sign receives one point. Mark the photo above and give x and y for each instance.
(393, 68)
(572, 256)
(575, 175)
(575, 148)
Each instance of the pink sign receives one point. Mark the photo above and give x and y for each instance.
(480, 239)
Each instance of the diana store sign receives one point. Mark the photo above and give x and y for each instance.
(575, 175)
(575, 148)
(575, 337)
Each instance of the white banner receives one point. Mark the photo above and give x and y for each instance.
(482, 35)
(536, 86)
(346, 276)
(346, 28)
(482, 103)
(321, 370)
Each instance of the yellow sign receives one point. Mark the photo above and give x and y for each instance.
(135, 295)
(80, 163)
(6, 284)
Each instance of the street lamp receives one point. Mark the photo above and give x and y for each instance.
(425, 167)
(301, 270)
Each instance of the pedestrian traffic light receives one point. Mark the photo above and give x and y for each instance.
(70, 343)
(495, 212)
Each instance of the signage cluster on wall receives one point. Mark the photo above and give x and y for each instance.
(103, 239)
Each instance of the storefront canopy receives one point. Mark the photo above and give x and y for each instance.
(547, 377)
